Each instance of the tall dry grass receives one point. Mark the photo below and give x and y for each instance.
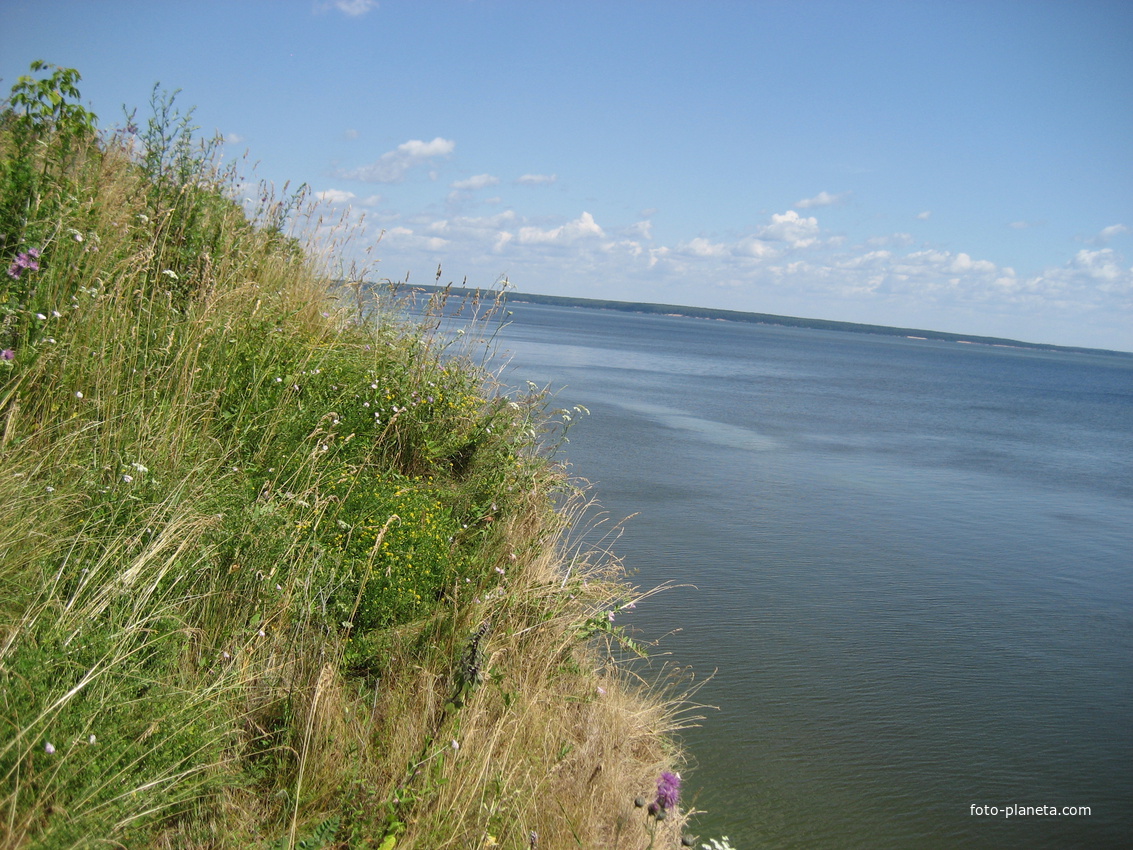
(210, 468)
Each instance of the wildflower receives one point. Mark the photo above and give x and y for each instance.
(92, 740)
(78, 394)
(49, 748)
(169, 273)
(455, 744)
(7, 354)
(56, 314)
(129, 479)
(41, 317)
(668, 790)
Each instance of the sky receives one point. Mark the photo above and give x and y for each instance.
(955, 166)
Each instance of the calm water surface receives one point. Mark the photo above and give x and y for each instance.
(913, 569)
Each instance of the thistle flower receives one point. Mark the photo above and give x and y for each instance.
(668, 790)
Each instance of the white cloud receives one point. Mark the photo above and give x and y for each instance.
(350, 134)
(894, 239)
(565, 234)
(822, 199)
(393, 165)
(790, 227)
(352, 8)
(754, 246)
(1102, 266)
(643, 229)
(924, 216)
(1108, 233)
(536, 179)
(701, 247)
(407, 238)
(335, 196)
(479, 181)
(233, 138)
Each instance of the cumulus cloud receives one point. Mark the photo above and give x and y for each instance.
(582, 227)
(536, 179)
(790, 227)
(701, 247)
(393, 165)
(1103, 266)
(351, 8)
(898, 239)
(1108, 233)
(822, 199)
(479, 181)
(335, 196)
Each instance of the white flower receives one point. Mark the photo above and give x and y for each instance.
(169, 273)
(49, 748)
(92, 740)
(78, 395)
(41, 317)
(129, 479)
(455, 745)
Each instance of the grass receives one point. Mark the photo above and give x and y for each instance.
(279, 567)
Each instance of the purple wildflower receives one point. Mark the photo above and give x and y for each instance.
(27, 260)
(7, 354)
(668, 790)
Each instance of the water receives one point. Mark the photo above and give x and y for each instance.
(912, 566)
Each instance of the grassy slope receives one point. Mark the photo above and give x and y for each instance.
(270, 573)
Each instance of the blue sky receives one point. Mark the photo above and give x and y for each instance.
(960, 166)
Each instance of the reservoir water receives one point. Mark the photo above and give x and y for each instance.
(911, 570)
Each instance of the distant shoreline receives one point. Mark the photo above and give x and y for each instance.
(676, 310)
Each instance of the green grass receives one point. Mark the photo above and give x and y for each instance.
(277, 570)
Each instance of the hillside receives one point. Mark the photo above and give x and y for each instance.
(275, 570)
